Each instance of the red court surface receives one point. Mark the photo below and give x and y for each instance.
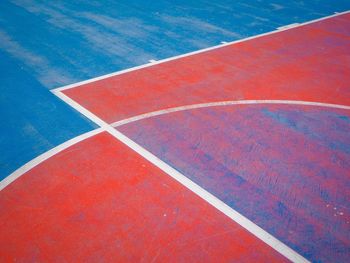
(309, 63)
(285, 167)
(281, 160)
(108, 204)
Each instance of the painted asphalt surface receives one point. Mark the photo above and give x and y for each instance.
(109, 204)
(285, 167)
(33, 120)
(282, 66)
(44, 45)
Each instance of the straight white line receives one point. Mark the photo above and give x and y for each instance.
(191, 53)
(226, 103)
(288, 26)
(46, 155)
(208, 197)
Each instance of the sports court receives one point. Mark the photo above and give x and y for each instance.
(175, 132)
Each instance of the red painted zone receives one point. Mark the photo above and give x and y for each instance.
(100, 201)
(285, 167)
(310, 63)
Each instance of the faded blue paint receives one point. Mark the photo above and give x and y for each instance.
(46, 44)
(275, 164)
(32, 119)
(300, 123)
(76, 40)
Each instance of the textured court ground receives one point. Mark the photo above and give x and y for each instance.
(236, 153)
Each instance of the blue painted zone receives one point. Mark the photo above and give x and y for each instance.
(300, 123)
(47, 44)
(32, 119)
(67, 41)
(287, 168)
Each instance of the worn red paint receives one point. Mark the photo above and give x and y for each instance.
(100, 201)
(285, 167)
(308, 63)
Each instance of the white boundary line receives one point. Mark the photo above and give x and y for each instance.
(288, 26)
(208, 197)
(46, 155)
(226, 103)
(194, 52)
(234, 215)
(36, 161)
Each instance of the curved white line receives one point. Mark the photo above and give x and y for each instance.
(250, 226)
(46, 155)
(226, 103)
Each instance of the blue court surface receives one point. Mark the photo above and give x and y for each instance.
(239, 151)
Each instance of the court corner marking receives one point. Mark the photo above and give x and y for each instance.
(156, 62)
(44, 156)
(254, 229)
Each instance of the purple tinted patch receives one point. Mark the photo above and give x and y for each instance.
(287, 168)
